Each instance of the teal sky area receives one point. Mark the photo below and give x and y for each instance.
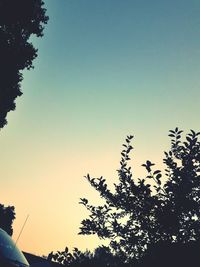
(105, 69)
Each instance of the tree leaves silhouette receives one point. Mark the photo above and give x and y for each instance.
(102, 256)
(7, 216)
(74, 258)
(140, 213)
(18, 21)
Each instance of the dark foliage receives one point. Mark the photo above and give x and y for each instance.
(101, 257)
(141, 214)
(172, 254)
(7, 216)
(74, 258)
(19, 19)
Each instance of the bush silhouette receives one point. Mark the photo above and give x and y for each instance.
(7, 216)
(102, 256)
(18, 21)
(160, 211)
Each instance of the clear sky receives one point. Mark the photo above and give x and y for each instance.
(105, 69)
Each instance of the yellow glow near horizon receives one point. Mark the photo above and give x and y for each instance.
(105, 69)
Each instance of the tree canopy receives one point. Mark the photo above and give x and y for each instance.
(163, 207)
(18, 21)
(7, 216)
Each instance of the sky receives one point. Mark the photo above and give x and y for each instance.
(105, 69)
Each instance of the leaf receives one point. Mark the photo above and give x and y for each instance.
(179, 132)
(149, 163)
(186, 144)
(159, 182)
(83, 201)
(158, 176)
(156, 172)
(148, 168)
(188, 139)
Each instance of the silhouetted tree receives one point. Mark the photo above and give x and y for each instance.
(142, 213)
(74, 258)
(101, 257)
(18, 21)
(7, 216)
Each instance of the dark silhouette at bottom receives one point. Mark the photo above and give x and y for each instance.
(172, 255)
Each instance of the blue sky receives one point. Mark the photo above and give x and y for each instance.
(107, 57)
(105, 69)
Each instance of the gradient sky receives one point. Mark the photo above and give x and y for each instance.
(105, 69)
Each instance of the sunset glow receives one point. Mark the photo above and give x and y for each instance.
(105, 69)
